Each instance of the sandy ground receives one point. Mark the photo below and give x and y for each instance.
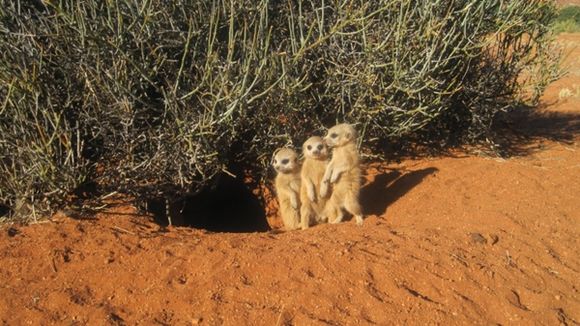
(460, 239)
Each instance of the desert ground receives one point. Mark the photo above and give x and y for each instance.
(467, 237)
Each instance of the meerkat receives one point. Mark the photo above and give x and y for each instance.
(287, 183)
(342, 174)
(315, 160)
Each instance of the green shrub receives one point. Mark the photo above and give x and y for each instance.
(157, 98)
(569, 13)
(568, 20)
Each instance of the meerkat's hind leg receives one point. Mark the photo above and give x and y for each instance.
(305, 213)
(338, 216)
(333, 212)
(358, 219)
(352, 206)
(292, 223)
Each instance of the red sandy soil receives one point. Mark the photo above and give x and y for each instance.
(464, 239)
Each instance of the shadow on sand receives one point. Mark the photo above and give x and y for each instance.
(388, 187)
(518, 132)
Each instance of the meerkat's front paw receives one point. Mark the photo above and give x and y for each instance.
(294, 203)
(324, 189)
(312, 196)
(359, 220)
(334, 177)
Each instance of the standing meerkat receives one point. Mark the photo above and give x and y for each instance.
(313, 168)
(287, 183)
(343, 174)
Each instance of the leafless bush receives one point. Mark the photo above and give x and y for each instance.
(158, 98)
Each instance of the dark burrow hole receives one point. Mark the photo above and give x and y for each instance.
(4, 210)
(228, 206)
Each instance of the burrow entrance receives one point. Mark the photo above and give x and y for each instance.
(228, 206)
(4, 210)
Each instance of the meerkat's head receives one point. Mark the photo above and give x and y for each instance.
(340, 135)
(315, 148)
(285, 160)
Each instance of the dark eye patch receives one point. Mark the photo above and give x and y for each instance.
(319, 147)
(333, 135)
(285, 161)
(309, 147)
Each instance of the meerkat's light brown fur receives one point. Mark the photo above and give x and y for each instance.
(313, 168)
(342, 174)
(287, 183)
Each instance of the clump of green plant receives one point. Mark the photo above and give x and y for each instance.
(157, 99)
(568, 20)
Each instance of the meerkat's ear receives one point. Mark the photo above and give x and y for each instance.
(348, 135)
(351, 133)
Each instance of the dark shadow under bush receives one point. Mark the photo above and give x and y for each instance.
(229, 205)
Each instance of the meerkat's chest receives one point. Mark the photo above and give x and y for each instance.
(287, 181)
(314, 168)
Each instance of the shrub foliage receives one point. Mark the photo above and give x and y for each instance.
(157, 98)
(568, 20)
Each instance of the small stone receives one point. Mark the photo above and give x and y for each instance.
(478, 238)
(12, 232)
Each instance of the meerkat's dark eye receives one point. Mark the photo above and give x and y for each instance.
(285, 161)
(309, 147)
(319, 147)
(333, 135)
